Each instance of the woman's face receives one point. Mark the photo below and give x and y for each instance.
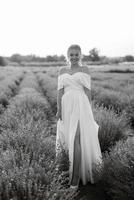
(74, 56)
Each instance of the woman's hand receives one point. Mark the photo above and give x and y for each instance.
(58, 115)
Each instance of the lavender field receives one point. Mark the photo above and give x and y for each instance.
(28, 106)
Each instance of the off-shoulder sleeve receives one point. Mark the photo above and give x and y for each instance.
(86, 81)
(60, 83)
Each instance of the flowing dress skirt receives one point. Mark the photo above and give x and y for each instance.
(76, 107)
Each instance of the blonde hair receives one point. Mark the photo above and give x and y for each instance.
(74, 46)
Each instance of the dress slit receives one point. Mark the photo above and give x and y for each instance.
(72, 167)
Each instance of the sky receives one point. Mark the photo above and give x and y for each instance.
(48, 27)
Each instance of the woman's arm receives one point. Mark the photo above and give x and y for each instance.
(59, 97)
(59, 105)
(88, 93)
(60, 93)
(87, 90)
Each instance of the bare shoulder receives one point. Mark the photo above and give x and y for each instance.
(86, 70)
(62, 70)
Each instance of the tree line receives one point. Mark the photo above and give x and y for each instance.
(93, 56)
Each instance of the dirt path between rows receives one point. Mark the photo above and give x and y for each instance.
(91, 192)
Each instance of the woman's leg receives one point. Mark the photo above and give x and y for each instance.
(77, 157)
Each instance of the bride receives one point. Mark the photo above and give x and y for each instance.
(77, 131)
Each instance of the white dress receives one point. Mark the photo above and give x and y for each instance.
(76, 106)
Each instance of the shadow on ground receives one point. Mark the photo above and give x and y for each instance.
(91, 192)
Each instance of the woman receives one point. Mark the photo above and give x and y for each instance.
(77, 131)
